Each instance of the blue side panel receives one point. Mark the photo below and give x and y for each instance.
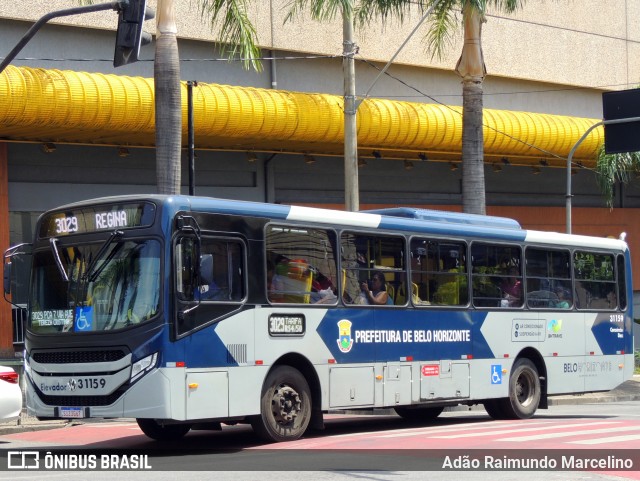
(204, 348)
(446, 216)
(610, 335)
(158, 342)
(452, 229)
(629, 321)
(381, 335)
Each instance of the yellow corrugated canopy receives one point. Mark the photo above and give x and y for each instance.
(38, 105)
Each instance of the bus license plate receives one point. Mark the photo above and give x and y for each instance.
(71, 412)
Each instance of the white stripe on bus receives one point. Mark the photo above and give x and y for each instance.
(313, 214)
(559, 239)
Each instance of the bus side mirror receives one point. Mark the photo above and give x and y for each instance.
(6, 276)
(206, 269)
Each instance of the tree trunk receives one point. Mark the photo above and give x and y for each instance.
(473, 190)
(168, 101)
(472, 70)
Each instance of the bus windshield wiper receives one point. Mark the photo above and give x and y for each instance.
(89, 274)
(53, 242)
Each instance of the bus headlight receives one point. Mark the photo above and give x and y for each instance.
(143, 366)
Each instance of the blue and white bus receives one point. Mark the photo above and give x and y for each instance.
(187, 312)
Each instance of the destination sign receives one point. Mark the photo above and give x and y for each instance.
(96, 219)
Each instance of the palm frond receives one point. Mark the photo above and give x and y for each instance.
(445, 22)
(367, 10)
(506, 6)
(236, 32)
(614, 168)
(320, 10)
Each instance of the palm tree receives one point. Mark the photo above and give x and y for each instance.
(237, 35)
(470, 66)
(612, 169)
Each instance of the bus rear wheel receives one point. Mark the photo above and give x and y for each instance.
(285, 406)
(524, 390)
(163, 432)
(418, 414)
(524, 393)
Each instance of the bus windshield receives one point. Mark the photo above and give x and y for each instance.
(95, 287)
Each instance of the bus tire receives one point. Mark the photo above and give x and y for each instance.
(163, 432)
(524, 391)
(495, 408)
(418, 414)
(285, 406)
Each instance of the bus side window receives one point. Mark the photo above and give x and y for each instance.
(595, 273)
(622, 283)
(301, 266)
(227, 283)
(439, 272)
(548, 279)
(365, 256)
(496, 275)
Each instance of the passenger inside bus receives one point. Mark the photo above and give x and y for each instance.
(376, 294)
(512, 289)
(291, 281)
(564, 298)
(322, 289)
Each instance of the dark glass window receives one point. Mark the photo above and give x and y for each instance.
(439, 272)
(548, 274)
(595, 280)
(366, 258)
(622, 284)
(496, 275)
(301, 265)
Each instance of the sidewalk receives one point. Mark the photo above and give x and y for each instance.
(628, 391)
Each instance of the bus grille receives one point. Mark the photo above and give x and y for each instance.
(80, 400)
(72, 357)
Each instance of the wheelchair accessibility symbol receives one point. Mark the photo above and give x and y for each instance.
(496, 374)
(84, 319)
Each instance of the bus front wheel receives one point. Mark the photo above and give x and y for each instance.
(285, 406)
(163, 432)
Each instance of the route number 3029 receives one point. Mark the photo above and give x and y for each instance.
(66, 225)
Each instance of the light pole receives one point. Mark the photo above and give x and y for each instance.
(351, 185)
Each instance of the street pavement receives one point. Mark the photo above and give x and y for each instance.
(627, 391)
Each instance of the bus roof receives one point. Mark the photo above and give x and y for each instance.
(406, 219)
(447, 216)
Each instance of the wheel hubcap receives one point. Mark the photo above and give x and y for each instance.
(286, 404)
(524, 389)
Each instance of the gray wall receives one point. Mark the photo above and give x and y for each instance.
(324, 75)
